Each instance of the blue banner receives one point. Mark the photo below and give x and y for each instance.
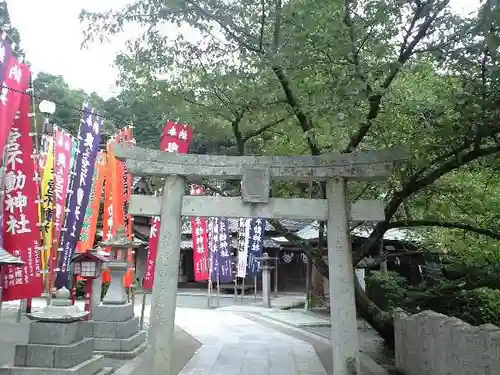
(255, 246)
(225, 261)
(88, 147)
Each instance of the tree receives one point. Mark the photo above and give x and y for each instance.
(354, 75)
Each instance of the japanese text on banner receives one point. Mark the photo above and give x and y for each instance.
(214, 249)
(47, 205)
(14, 84)
(199, 235)
(243, 240)
(62, 169)
(89, 226)
(21, 234)
(226, 274)
(255, 245)
(89, 137)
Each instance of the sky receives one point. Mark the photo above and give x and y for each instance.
(51, 35)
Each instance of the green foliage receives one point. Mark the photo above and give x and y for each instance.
(80, 289)
(386, 290)
(470, 301)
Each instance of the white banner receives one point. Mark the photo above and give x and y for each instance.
(243, 240)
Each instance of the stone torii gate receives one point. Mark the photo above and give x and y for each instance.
(256, 173)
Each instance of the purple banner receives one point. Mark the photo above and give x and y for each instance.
(213, 246)
(255, 246)
(226, 274)
(88, 146)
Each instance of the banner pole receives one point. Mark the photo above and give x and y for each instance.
(235, 289)
(242, 290)
(218, 288)
(255, 288)
(209, 286)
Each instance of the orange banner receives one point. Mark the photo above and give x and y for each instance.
(108, 228)
(87, 236)
(116, 197)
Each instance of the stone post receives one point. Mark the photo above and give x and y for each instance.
(344, 325)
(96, 292)
(266, 267)
(266, 286)
(166, 277)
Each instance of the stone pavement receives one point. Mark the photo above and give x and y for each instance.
(234, 345)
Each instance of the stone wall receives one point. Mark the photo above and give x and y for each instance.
(430, 343)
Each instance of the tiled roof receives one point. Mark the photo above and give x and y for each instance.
(311, 232)
(8, 259)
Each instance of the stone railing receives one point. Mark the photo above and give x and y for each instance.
(429, 343)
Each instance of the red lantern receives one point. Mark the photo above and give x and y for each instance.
(87, 265)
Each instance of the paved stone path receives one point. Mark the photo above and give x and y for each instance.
(234, 345)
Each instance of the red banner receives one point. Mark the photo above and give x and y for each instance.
(21, 234)
(175, 138)
(199, 234)
(15, 83)
(62, 160)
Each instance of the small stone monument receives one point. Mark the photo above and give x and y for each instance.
(115, 329)
(266, 267)
(57, 344)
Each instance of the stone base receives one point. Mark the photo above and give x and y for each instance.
(116, 332)
(113, 313)
(53, 356)
(93, 366)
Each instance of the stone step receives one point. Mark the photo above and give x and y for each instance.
(123, 355)
(119, 345)
(95, 365)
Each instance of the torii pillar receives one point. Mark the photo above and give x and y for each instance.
(256, 173)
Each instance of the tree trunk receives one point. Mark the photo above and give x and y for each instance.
(317, 284)
(379, 320)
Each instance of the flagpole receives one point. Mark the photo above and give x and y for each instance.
(209, 291)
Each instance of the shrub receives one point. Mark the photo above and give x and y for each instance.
(80, 289)
(478, 305)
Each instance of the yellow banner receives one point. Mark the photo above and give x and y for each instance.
(47, 204)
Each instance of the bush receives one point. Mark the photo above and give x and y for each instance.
(475, 306)
(387, 291)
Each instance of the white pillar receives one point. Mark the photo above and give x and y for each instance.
(161, 330)
(341, 282)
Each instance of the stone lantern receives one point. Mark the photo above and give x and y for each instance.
(117, 266)
(115, 329)
(266, 265)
